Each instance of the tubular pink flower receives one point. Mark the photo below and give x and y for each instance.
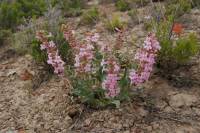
(110, 84)
(53, 57)
(85, 54)
(146, 58)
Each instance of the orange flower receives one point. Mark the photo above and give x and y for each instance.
(177, 28)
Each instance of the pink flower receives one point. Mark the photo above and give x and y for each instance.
(110, 84)
(84, 57)
(43, 46)
(53, 57)
(146, 58)
(93, 38)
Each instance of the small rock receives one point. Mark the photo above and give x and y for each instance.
(180, 100)
(87, 122)
(2, 74)
(11, 72)
(126, 131)
(155, 125)
(168, 109)
(117, 126)
(142, 112)
(149, 128)
(197, 110)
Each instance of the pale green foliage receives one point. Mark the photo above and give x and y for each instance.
(185, 48)
(114, 22)
(90, 16)
(134, 15)
(175, 52)
(196, 3)
(4, 34)
(178, 7)
(70, 7)
(122, 5)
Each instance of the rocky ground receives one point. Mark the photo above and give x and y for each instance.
(31, 101)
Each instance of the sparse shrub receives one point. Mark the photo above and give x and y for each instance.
(32, 8)
(13, 13)
(195, 3)
(71, 7)
(134, 16)
(4, 34)
(114, 22)
(122, 5)
(51, 20)
(176, 49)
(90, 16)
(186, 47)
(10, 15)
(138, 3)
(178, 7)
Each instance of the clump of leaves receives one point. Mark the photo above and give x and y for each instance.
(114, 22)
(37, 53)
(90, 16)
(64, 49)
(93, 95)
(122, 5)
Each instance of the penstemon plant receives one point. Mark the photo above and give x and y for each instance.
(53, 58)
(97, 76)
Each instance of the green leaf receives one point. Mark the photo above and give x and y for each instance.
(116, 103)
